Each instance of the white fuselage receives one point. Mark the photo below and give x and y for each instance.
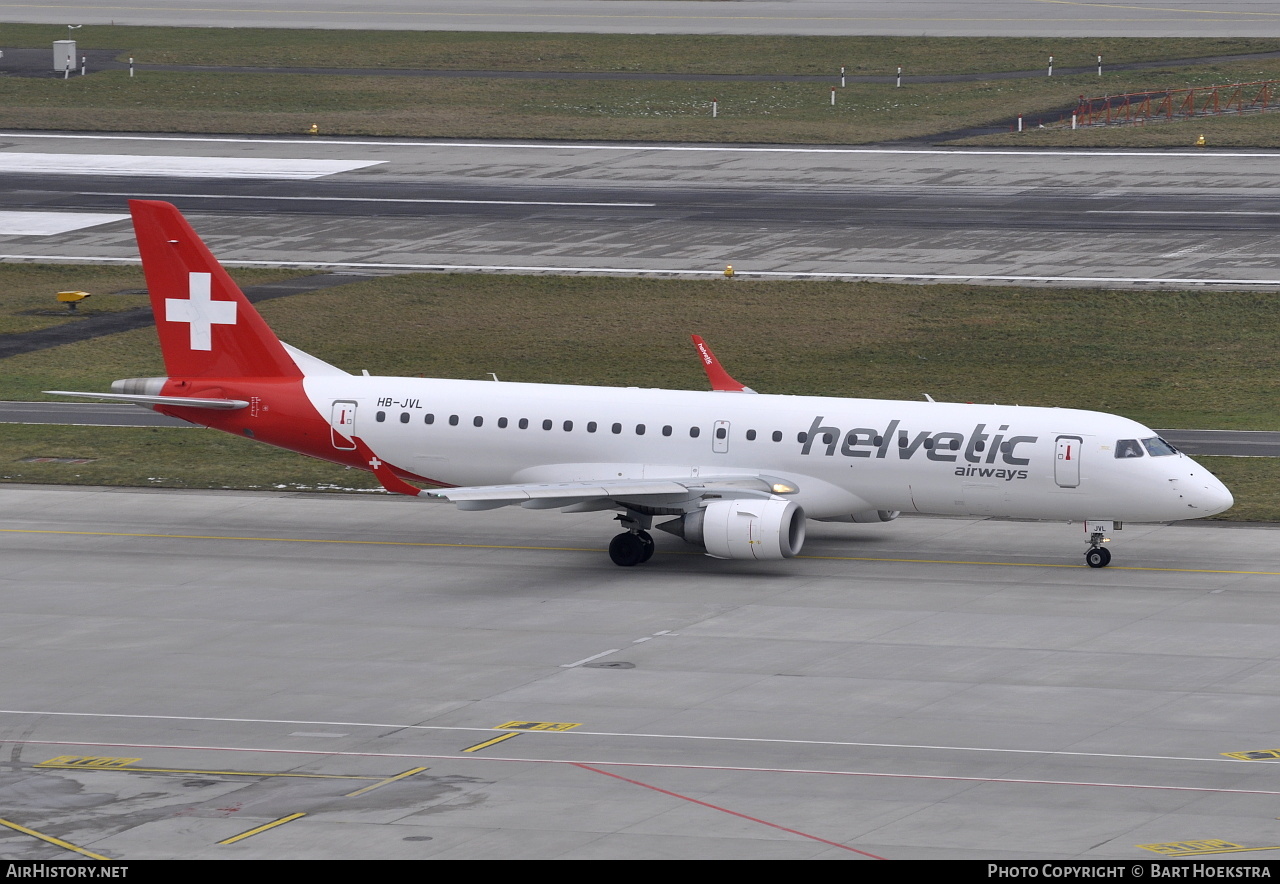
(844, 456)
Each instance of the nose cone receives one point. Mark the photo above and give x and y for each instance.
(1207, 495)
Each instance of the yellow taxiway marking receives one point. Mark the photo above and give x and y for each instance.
(539, 726)
(91, 762)
(1199, 848)
(478, 746)
(52, 840)
(1254, 755)
(383, 782)
(409, 543)
(271, 825)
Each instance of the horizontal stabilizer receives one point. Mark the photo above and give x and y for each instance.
(182, 401)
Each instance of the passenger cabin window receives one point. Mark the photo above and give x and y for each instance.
(666, 431)
(380, 416)
(546, 425)
(693, 432)
(404, 417)
(568, 426)
(1128, 448)
(751, 435)
(639, 429)
(502, 423)
(524, 423)
(478, 421)
(1157, 447)
(777, 435)
(428, 418)
(453, 420)
(591, 426)
(617, 428)
(721, 432)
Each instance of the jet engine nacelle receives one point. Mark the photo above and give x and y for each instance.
(769, 528)
(866, 516)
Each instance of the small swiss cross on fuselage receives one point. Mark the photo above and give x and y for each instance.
(200, 310)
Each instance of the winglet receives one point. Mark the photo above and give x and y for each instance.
(719, 378)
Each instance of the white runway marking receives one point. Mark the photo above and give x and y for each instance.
(482, 145)
(695, 737)
(49, 223)
(174, 167)
(366, 199)
(659, 765)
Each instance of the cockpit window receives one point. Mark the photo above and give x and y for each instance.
(1128, 448)
(1157, 447)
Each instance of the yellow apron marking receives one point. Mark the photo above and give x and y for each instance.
(399, 776)
(478, 746)
(539, 726)
(91, 761)
(1253, 754)
(271, 825)
(595, 550)
(52, 840)
(1199, 848)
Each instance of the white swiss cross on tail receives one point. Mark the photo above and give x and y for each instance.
(201, 311)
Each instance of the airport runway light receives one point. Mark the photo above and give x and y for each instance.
(728, 271)
(1051, 65)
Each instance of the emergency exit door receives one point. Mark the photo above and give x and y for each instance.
(1066, 464)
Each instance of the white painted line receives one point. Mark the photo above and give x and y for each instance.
(366, 199)
(674, 271)
(49, 223)
(658, 765)
(482, 145)
(174, 167)
(589, 659)
(1158, 212)
(650, 736)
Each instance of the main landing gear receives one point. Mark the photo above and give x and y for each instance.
(1098, 556)
(635, 545)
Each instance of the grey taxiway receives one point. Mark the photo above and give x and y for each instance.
(203, 674)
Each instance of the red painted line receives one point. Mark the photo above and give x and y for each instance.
(729, 767)
(726, 810)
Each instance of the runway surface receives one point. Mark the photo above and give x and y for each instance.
(1111, 218)
(1037, 18)
(1231, 443)
(186, 668)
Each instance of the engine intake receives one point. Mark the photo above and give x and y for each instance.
(767, 528)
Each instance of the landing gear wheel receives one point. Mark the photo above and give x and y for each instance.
(646, 540)
(1098, 557)
(627, 549)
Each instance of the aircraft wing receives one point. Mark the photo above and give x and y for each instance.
(586, 496)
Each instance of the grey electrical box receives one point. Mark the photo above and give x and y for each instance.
(64, 55)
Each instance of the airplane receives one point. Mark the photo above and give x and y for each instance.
(733, 471)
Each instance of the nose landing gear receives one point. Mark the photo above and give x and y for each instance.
(1098, 556)
(635, 545)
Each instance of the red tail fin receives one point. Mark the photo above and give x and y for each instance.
(206, 325)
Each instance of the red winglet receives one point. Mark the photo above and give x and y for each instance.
(719, 378)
